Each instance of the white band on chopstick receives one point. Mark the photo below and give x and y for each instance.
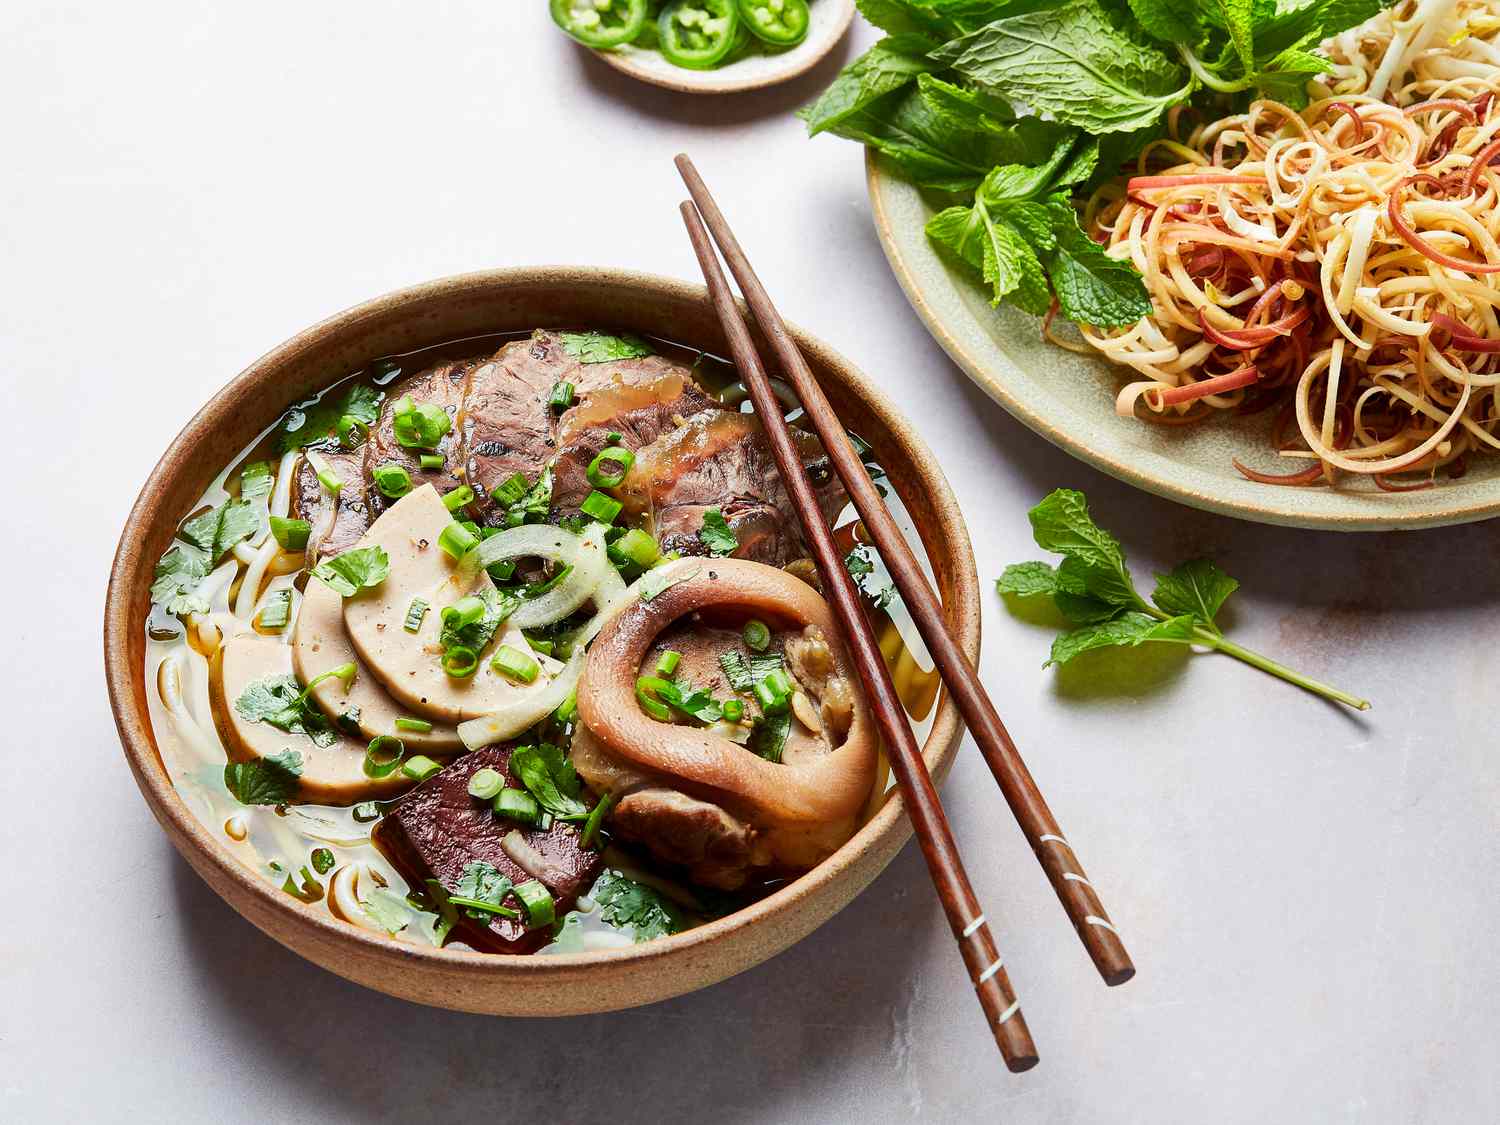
(991, 971)
(1054, 839)
(973, 927)
(1012, 1010)
(1073, 878)
(1091, 920)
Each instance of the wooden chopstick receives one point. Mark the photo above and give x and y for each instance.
(1001, 1008)
(1079, 898)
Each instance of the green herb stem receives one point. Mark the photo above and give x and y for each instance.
(1208, 78)
(1265, 664)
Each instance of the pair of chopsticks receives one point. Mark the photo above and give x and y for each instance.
(970, 927)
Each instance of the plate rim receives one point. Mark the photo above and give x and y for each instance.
(879, 180)
(700, 81)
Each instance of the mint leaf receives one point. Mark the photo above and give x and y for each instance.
(1091, 287)
(716, 534)
(1171, 21)
(266, 781)
(1027, 580)
(177, 575)
(550, 778)
(624, 903)
(1070, 63)
(218, 529)
(1129, 629)
(1197, 587)
(597, 347)
(1237, 18)
(884, 68)
(995, 250)
(354, 570)
(1093, 561)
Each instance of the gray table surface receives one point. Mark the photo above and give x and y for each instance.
(1309, 895)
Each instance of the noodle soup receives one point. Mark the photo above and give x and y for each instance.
(428, 653)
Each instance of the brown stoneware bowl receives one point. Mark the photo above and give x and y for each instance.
(474, 304)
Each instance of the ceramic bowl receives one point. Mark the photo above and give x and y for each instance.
(1069, 400)
(828, 20)
(473, 304)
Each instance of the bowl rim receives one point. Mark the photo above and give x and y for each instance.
(889, 826)
(686, 81)
(879, 180)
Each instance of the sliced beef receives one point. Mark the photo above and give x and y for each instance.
(337, 521)
(506, 424)
(510, 427)
(639, 409)
(441, 385)
(723, 460)
(437, 829)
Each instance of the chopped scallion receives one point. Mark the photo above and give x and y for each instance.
(457, 540)
(614, 436)
(645, 693)
(419, 767)
(610, 467)
(667, 663)
(537, 899)
(567, 711)
(392, 479)
(431, 462)
(601, 507)
(420, 726)
(595, 819)
(515, 664)
(757, 635)
(484, 906)
(517, 804)
(637, 547)
(486, 783)
(329, 479)
(562, 396)
(276, 611)
(419, 425)
(733, 710)
(460, 662)
(414, 614)
(291, 535)
(508, 491)
(465, 611)
(383, 756)
(460, 496)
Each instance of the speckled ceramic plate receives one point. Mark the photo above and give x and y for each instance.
(1069, 400)
(827, 23)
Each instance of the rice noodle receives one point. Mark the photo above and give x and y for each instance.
(1349, 253)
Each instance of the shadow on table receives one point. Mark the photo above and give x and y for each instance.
(749, 1049)
(713, 110)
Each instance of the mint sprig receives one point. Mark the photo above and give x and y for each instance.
(1092, 588)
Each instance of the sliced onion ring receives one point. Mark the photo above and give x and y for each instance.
(585, 554)
(529, 708)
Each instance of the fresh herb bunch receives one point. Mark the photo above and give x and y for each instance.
(1092, 588)
(1004, 109)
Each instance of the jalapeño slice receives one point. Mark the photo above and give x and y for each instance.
(600, 24)
(697, 34)
(782, 23)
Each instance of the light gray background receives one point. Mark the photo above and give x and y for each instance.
(1309, 896)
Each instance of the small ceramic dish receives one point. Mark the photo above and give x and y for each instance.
(452, 309)
(1069, 400)
(828, 20)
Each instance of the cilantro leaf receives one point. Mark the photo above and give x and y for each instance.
(354, 570)
(255, 480)
(218, 529)
(266, 781)
(1070, 63)
(476, 635)
(598, 347)
(1027, 580)
(317, 422)
(1128, 629)
(388, 910)
(550, 778)
(1196, 587)
(694, 702)
(717, 535)
(177, 575)
(861, 568)
(281, 702)
(624, 903)
(534, 502)
(482, 881)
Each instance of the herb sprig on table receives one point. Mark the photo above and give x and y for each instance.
(1004, 110)
(1093, 589)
